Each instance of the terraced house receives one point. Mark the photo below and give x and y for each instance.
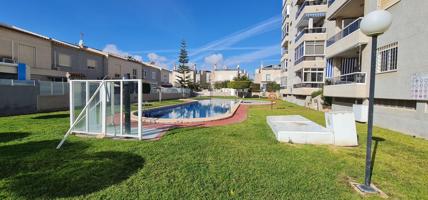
(401, 93)
(303, 48)
(50, 59)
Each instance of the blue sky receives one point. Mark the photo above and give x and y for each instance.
(225, 32)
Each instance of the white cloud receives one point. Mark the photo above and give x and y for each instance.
(158, 60)
(226, 42)
(112, 48)
(214, 59)
(253, 56)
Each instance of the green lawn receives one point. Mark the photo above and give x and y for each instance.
(242, 161)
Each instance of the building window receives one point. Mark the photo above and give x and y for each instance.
(116, 75)
(64, 60)
(267, 77)
(91, 63)
(144, 74)
(313, 75)
(308, 48)
(394, 103)
(153, 75)
(134, 74)
(299, 52)
(387, 57)
(314, 48)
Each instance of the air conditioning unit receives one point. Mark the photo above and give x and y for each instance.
(8, 60)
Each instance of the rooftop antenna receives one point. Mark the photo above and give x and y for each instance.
(81, 40)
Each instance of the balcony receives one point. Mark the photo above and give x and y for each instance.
(356, 77)
(345, 9)
(318, 34)
(351, 85)
(309, 62)
(349, 38)
(309, 4)
(308, 85)
(315, 9)
(306, 88)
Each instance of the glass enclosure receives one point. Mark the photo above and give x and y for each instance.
(110, 108)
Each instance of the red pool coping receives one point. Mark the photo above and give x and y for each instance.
(239, 116)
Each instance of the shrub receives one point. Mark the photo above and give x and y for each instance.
(220, 85)
(272, 87)
(255, 87)
(239, 85)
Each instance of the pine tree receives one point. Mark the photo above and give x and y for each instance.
(183, 78)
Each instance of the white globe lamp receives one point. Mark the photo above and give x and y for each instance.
(376, 22)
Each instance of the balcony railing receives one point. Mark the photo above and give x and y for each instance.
(330, 2)
(309, 30)
(309, 3)
(352, 27)
(356, 77)
(308, 85)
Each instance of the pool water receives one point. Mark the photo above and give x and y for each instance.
(197, 109)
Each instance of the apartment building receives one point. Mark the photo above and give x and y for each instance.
(303, 48)
(267, 74)
(401, 92)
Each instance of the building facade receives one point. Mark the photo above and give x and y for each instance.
(79, 61)
(267, 74)
(401, 92)
(303, 48)
(227, 74)
(50, 59)
(20, 46)
(166, 77)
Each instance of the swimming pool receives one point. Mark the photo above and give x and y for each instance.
(197, 109)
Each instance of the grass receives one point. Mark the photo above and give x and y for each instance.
(240, 161)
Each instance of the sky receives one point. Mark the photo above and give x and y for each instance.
(221, 32)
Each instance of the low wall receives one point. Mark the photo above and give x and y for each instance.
(15, 100)
(410, 122)
(165, 96)
(52, 103)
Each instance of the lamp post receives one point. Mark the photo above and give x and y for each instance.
(373, 25)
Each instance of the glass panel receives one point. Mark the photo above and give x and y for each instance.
(94, 109)
(113, 108)
(79, 102)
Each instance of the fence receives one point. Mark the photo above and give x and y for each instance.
(47, 88)
(11, 82)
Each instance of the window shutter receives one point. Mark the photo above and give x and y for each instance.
(64, 60)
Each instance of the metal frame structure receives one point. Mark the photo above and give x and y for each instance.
(103, 112)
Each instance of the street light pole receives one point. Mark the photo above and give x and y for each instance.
(368, 173)
(373, 25)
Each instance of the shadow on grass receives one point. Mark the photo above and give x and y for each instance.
(52, 116)
(11, 136)
(38, 170)
(376, 140)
